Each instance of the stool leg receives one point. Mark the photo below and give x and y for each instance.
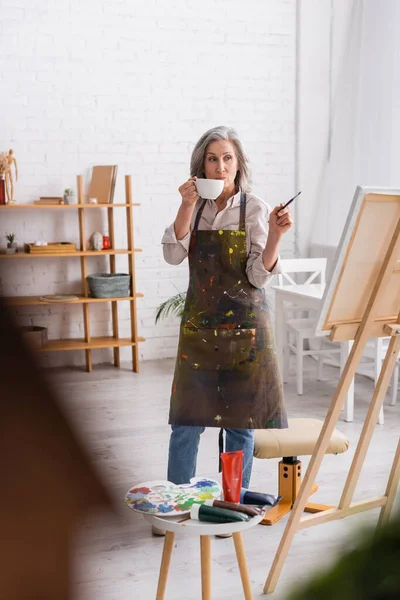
(205, 553)
(241, 558)
(165, 562)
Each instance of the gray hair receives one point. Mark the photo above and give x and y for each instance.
(243, 176)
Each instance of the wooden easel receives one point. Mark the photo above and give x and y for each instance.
(362, 301)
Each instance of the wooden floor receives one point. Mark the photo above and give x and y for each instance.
(123, 418)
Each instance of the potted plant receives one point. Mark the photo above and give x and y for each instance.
(174, 306)
(69, 196)
(11, 243)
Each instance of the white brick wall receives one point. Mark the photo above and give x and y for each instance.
(135, 84)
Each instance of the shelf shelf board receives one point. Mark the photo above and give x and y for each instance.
(35, 300)
(95, 343)
(64, 254)
(64, 206)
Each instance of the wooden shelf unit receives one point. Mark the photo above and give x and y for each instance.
(35, 300)
(95, 342)
(62, 206)
(19, 255)
(89, 343)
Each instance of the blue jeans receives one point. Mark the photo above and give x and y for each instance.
(184, 445)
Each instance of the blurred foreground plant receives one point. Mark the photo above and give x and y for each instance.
(369, 572)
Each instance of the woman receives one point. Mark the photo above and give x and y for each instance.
(226, 372)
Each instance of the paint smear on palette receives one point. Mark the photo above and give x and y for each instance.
(167, 499)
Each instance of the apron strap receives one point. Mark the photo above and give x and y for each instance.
(221, 448)
(198, 216)
(242, 220)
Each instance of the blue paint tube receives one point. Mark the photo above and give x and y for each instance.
(248, 497)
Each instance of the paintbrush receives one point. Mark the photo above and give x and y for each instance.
(289, 201)
(186, 518)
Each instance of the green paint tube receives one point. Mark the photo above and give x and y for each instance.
(210, 514)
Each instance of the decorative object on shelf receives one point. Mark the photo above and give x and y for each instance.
(9, 178)
(49, 200)
(92, 200)
(109, 285)
(4, 250)
(11, 243)
(58, 298)
(35, 336)
(50, 248)
(106, 242)
(102, 184)
(167, 499)
(69, 196)
(96, 241)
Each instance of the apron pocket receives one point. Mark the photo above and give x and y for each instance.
(219, 349)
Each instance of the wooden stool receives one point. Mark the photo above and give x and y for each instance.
(173, 525)
(298, 440)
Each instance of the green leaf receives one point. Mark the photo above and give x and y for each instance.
(174, 306)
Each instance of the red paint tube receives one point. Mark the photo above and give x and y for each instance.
(232, 467)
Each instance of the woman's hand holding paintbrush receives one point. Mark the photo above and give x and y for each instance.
(280, 219)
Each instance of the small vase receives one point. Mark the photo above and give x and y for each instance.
(2, 190)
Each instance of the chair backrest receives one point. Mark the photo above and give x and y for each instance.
(314, 268)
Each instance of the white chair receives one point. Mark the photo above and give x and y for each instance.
(301, 330)
(375, 352)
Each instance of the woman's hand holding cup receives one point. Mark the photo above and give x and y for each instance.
(188, 192)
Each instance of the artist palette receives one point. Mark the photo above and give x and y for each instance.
(166, 499)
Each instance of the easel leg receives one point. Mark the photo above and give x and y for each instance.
(205, 553)
(369, 424)
(165, 562)
(391, 488)
(315, 463)
(241, 558)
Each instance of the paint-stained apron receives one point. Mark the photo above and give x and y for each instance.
(226, 372)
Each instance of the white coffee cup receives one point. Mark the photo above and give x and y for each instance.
(209, 189)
